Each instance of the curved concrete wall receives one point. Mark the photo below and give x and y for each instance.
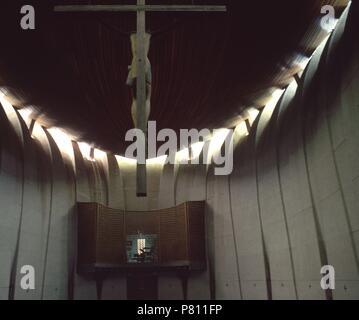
(290, 206)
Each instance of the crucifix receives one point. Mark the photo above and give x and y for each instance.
(141, 60)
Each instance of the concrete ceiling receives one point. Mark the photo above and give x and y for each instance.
(207, 68)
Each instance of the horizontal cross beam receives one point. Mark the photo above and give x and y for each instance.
(124, 8)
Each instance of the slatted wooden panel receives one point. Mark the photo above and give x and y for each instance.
(102, 234)
(173, 243)
(196, 233)
(87, 220)
(110, 237)
(143, 222)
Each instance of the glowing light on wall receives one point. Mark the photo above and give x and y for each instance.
(321, 46)
(125, 162)
(25, 114)
(85, 149)
(157, 161)
(37, 131)
(99, 154)
(182, 156)
(217, 140)
(11, 114)
(64, 143)
(333, 25)
(8, 108)
(276, 95)
(253, 114)
(241, 130)
(196, 149)
(304, 62)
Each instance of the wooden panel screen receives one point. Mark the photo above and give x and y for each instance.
(196, 233)
(110, 236)
(86, 239)
(144, 222)
(173, 239)
(107, 238)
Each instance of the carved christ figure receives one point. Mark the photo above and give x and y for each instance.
(132, 78)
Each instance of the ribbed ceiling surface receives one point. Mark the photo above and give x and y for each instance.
(207, 67)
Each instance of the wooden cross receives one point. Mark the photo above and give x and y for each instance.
(140, 9)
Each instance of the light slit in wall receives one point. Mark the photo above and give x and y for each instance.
(85, 149)
(196, 149)
(157, 161)
(252, 115)
(242, 129)
(216, 143)
(64, 143)
(25, 114)
(7, 106)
